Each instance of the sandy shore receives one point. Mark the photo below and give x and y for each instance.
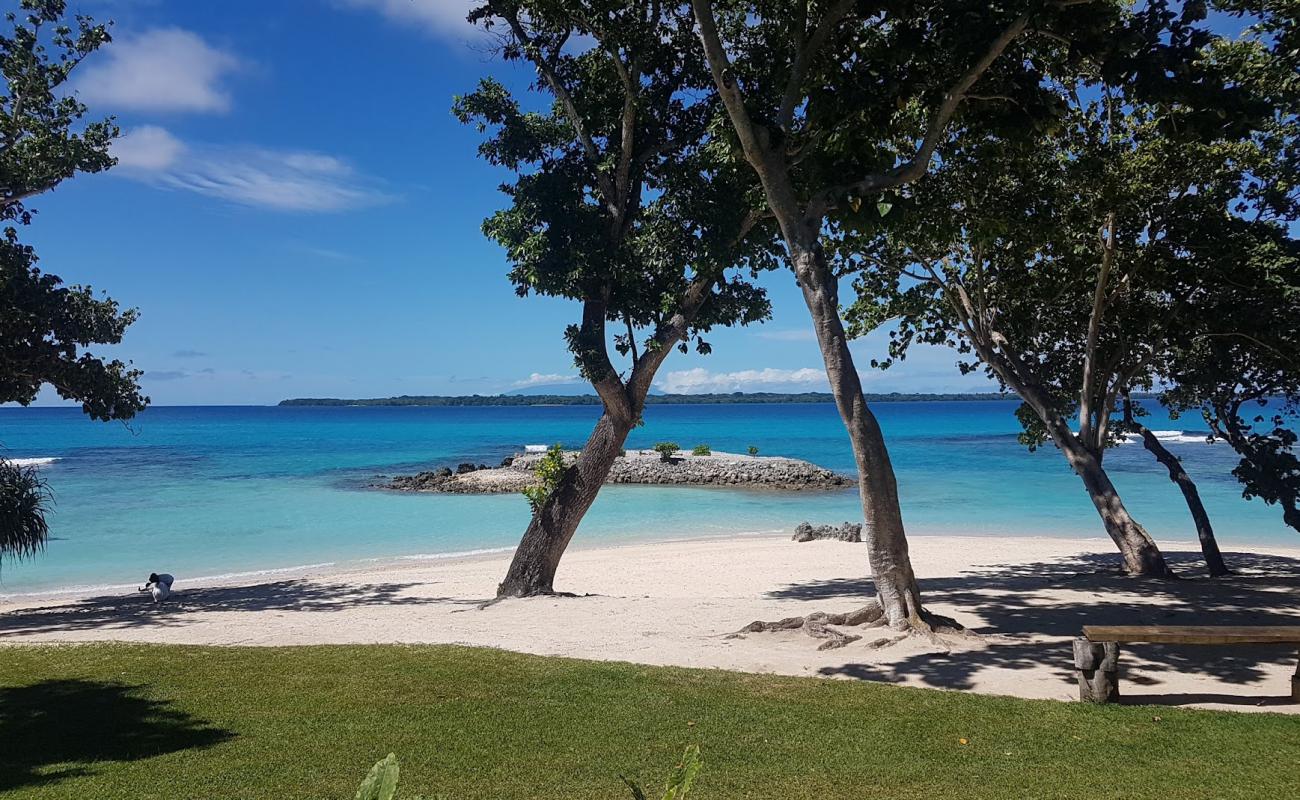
(676, 603)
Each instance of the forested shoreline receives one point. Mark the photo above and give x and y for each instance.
(756, 398)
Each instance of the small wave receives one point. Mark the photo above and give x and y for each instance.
(39, 461)
(71, 591)
(198, 582)
(225, 576)
(1175, 437)
(456, 554)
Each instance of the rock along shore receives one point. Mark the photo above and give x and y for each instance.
(729, 470)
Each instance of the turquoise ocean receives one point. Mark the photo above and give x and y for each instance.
(219, 491)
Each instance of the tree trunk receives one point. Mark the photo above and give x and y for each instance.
(891, 566)
(532, 570)
(1204, 532)
(1141, 555)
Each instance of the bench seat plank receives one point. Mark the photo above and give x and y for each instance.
(1194, 634)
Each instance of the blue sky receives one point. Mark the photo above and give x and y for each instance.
(296, 213)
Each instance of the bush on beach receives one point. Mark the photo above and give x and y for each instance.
(666, 450)
(549, 471)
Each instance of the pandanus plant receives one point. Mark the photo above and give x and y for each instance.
(25, 498)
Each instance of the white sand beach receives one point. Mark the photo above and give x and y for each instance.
(677, 603)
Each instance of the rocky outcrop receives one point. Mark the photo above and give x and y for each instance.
(639, 467)
(848, 532)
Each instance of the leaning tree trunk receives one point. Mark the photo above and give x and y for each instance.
(532, 571)
(1141, 555)
(891, 566)
(1204, 532)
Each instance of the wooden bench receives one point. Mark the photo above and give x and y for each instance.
(1096, 653)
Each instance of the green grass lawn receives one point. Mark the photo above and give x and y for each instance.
(128, 721)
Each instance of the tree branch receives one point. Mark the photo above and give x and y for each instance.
(593, 356)
(915, 167)
(544, 65)
(1107, 237)
(720, 66)
(805, 52)
(670, 333)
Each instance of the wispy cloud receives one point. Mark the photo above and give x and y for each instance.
(178, 374)
(165, 69)
(700, 380)
(282, 180)
(220, 376)
(439, 17)
(791, 335)
(543, 379)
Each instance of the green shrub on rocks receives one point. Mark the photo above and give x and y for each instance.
(549, 471)
(666, 450)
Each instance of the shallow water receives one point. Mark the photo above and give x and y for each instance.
(219, 490)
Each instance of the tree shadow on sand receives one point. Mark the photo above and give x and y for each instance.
(59, 729)
(132, 610)
(1015, 604)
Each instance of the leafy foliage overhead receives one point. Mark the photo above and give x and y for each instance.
(41, 140)
(618, 199)
(1142, 201)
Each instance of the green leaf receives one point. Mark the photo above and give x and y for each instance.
(683, 777)
(381, 782)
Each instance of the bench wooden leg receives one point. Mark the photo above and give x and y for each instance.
(1097, 666)
(1295, 681)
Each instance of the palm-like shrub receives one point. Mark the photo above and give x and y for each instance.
(381, 782)
(680, 780)
(25, 498)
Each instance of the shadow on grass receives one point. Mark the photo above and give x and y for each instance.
(133, 610)
(59, 729)
(1014, 602)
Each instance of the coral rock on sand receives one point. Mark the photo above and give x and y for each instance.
(638, 467)
(848, 532)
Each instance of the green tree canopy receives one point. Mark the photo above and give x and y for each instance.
(620, 200)
(41, 130)
(1070, 261)
(45, 325)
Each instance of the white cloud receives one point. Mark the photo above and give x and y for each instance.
(276, 179)
(165, 69)
(543, 379)
(440, 17)
(700, 380)
(148, 148)
(792, 335)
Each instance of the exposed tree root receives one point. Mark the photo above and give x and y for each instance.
(817, 625)
(549, 593)
(932, 627)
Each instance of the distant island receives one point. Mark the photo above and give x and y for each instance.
(654, 399)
